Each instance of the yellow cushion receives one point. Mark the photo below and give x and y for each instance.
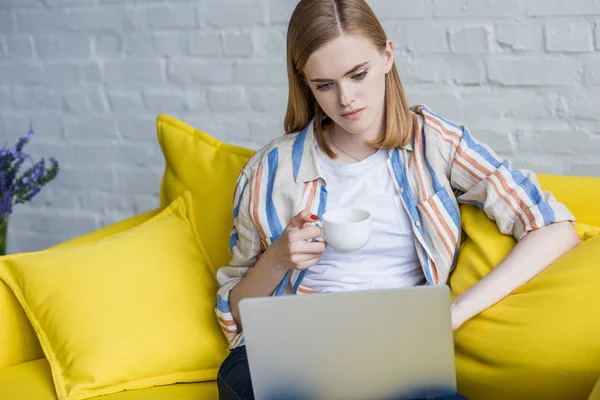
(542, 341)
(19, 340)
(208, 168)
(579, 193)
(33, 381)
(130, 311)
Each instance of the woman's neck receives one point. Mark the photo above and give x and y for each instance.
(350, 147)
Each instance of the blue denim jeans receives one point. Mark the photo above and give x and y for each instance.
(234, 381)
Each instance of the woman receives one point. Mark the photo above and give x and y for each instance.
(352, 141)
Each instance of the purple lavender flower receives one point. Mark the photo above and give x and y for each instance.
(18, 188)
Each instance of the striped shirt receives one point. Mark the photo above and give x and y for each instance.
(442, 166)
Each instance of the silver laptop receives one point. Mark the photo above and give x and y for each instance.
(380, 344)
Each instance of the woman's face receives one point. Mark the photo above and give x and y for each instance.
(348, 75)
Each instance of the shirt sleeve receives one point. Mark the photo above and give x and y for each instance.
(511, 197)
(245, 246)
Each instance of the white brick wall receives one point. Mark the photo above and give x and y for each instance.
(92, 75)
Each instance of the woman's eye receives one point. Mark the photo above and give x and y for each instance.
(324, 87)
(360, 76)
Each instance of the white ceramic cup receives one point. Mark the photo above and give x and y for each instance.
(346, 229)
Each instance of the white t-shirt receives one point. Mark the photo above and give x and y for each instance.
(389, 260)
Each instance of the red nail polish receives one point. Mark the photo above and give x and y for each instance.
(314, 217)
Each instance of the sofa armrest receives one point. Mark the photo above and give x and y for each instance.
(18, 341)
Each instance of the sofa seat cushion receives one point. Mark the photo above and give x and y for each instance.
(33, 380)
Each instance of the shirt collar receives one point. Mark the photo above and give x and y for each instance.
(304, 155)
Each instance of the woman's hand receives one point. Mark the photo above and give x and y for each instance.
(293, 249)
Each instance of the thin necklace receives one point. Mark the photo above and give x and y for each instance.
(337, 147)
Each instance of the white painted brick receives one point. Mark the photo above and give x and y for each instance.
(171, 16)
(402, 9)
(280, 11)
(224, 127)
(148, 154)
(560, 8)
(21, 73)
(520, 37)
(139, 45)
(108, 45)
(500, 104)
(80, 179)
(40, 21)
(559, 142)
(592, 71)
(422, 38)
(52, 197)
(133, 72)
(263, 131)
(164, 101)
(501, 141)
(261, 72)
(139, 181)
(170, 44)
(137, 129)
(569, 36)
(204, 44)
(71, 74)
(460, 70)
(68, 3)
(268, 99)
(64, 222)
(143, 203)
(105, 202)
(474, 40)
(189, 72)
(6, 21)
(19, 46)
(36, 98)
(581, 104)
(229, 14)
(44, 146)
(95, 109)
(476, 8)
(447, 104)
(124, 101)
(227, 99)
(8, 4)
(543, 164)
(91, 129)
(116, 19)
(238, 44)
(61, 47)
(48, 129)
(589, 169)
(534, 71)
(103, 155)
(84, 101)
(269, 42)
(5, 98)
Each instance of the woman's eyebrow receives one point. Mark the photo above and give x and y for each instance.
(359, 66)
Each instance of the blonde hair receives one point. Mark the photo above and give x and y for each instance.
(315, 23)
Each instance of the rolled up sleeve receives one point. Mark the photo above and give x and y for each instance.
(511, 197)
(245, 245)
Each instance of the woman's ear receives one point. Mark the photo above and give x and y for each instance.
(388, 56)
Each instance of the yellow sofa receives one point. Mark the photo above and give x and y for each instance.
(25, 373)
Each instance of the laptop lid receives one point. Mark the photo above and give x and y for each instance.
(380, 344)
